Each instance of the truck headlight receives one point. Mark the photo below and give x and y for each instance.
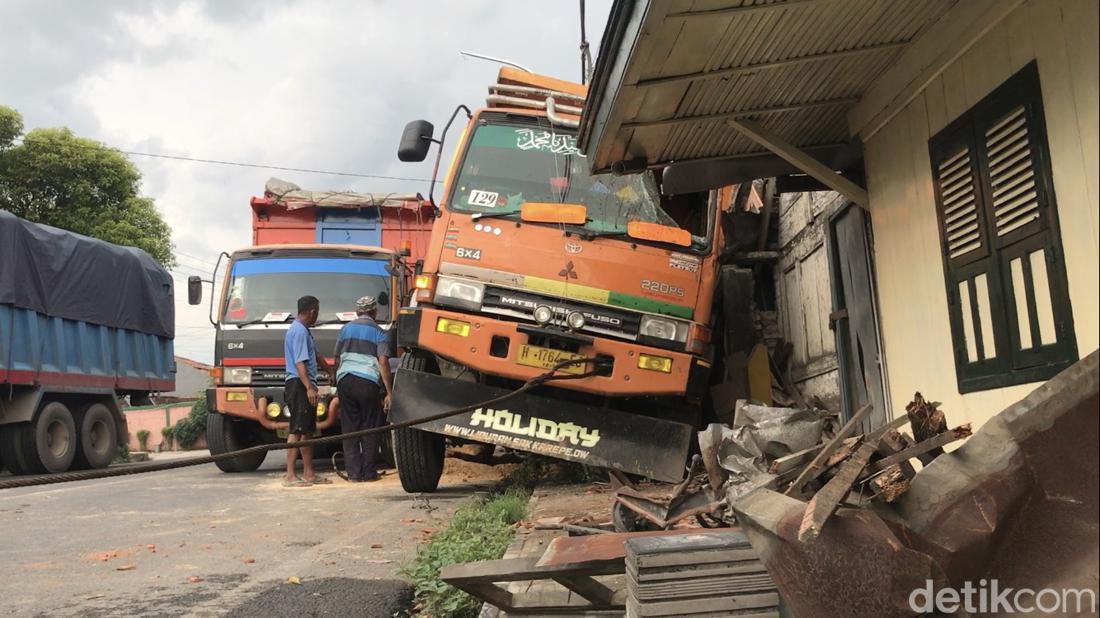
(459, 293)
(664, 328)
(238, 375)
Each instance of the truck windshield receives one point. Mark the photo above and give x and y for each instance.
(506, 165)
(259, 286)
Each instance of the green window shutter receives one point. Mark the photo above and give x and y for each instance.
(1011, 319)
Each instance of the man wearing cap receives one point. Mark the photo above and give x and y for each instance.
(363, 384)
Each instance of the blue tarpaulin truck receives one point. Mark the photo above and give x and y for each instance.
(83, 323)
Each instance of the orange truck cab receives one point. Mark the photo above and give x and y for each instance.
(533, 261)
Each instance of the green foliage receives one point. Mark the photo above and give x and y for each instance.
(143, 439)
(166, 434)
(77, 184)
(479, 530)
(11, 126)
(189, 428)
(123, 455)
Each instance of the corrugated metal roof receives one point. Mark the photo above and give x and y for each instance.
(670, 72)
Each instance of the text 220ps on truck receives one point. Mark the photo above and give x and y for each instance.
(535, 261)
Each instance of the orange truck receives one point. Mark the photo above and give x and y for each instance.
(534, 261)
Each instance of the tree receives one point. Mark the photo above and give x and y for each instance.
(77, 184)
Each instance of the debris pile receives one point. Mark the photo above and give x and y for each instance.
(1016, 505)
(798, 452)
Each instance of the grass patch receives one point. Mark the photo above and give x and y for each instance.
(479, 530)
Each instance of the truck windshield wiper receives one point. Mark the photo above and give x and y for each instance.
(263, 320)
(589, 235)
(324, 322)
(490, 215)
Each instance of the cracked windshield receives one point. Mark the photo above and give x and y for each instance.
(507, 165)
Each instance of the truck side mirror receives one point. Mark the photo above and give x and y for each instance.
(194, 290)
(415, 141)
(384, 298)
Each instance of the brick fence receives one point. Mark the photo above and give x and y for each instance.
(153, 419)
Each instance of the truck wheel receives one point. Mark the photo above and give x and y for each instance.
(98, 441)
(50, 441)
(224, 435)
(418, 454)
(419, 458)
(11, 443)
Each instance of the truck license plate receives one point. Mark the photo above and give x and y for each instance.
(545, 358)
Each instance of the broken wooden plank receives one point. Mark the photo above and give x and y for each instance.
(928, 446)
(825, 502)
(894, 442)
(592, 590)
(927, 421)
(890, 484)
(787, 463)
(846, 450)
(815, 465)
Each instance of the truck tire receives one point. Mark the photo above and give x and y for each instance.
(418, 454)
(50, 440)
(11, 443)
(98, 443)
(224, 435)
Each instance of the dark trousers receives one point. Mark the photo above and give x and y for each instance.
(360, 408)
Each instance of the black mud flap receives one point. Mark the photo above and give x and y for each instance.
(535, 423)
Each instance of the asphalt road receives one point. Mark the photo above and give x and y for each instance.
(198, 542)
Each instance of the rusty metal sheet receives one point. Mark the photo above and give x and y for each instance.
(565, 550)
(1017, 503)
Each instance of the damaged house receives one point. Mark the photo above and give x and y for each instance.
(957, 253)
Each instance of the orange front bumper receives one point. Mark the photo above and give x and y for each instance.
(255, 402)
(626, 378)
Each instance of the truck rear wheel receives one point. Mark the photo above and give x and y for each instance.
(98, 441)
(418, 454)
(11, 443)
(224, 435)
(49, 441)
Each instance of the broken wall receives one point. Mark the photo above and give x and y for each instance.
(803, 293)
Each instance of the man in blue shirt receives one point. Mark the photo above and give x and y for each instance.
(362, 372)
(300, 390)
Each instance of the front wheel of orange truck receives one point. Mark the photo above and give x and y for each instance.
(419, 457)
(418, 454)
(225, 435)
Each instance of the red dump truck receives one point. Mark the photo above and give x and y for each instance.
(337, 246)
(83, 323)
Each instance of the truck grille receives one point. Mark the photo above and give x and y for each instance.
(598, 319)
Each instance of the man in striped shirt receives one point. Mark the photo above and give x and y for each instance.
(363, 384)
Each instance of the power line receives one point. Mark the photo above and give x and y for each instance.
(194, 257)
(281, 168)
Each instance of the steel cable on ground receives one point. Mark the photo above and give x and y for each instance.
(85, 475)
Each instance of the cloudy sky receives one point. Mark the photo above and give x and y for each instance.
(295, 83)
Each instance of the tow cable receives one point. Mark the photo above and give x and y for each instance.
(85, 475)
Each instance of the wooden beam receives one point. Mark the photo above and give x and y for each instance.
(796, 157)
(792, 461)
(947, 437)
(593, 591)
(763, 66)
(926, 58)
(738, 9)
(816, 463)
(824, 502)
(779, 109)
